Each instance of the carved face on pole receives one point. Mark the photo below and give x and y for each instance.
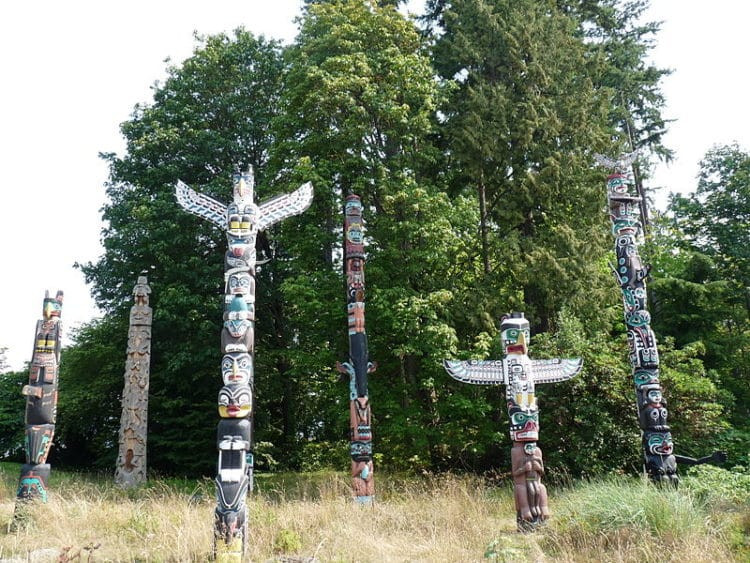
(240, 252)
(515, 334)
(242, 220)
(235, 400)
(644, 353)
(238, 333)
(51, 308)
(658, 443)
(236, 368)
(240, 283)
(524, 423)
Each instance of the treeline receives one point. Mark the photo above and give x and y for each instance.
(469, 138)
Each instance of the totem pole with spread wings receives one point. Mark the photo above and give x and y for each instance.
(519, 374)
(240, 220)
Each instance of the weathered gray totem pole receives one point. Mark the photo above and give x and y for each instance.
(519, 374)
(625, 212)
(41, 401)
(131, 459)
(241, 220)
(359, 364)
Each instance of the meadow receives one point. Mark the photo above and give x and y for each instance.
(442, 518)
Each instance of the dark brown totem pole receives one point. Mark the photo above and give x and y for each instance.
(625, 212)
(41, 402)
(519, 374)
(131, 460)
(359, 364)
(241, 220)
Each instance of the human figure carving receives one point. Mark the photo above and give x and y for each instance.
(241, 221)
(520, 373)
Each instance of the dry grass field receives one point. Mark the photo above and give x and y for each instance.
(443, 518)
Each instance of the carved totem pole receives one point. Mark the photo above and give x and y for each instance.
(41, 401)
(131, 460)
(241, 220)
(625, 213)
(519, 374)
(358, 366)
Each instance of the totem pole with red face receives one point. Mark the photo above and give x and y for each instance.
(359, 364)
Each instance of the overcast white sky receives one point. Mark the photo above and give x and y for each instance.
(72, 72)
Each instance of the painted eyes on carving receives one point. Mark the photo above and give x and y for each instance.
(518, 418)
(240, 397)
(236, 282)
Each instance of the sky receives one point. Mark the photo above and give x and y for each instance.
(73, 71)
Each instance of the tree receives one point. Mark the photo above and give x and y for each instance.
(523, 114)
(212, 114)
(710, 230)
(12, 408)
(359, 101)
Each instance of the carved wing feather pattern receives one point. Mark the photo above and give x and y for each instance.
(479, 372)
(552, 371)
(619, 164)
(285, 205)
(201, 205)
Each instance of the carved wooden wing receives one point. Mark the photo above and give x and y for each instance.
(285, 205)
(201, 205)
(552, 371)
(620, 164)
(479, 372)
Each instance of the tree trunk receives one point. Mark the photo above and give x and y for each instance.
(483, 224)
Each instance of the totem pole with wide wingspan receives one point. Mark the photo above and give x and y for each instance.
(519, 374)
(625, 213)
(240, 220)
(41, 401)
(359, 364)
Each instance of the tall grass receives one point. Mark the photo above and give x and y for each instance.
(440, 518)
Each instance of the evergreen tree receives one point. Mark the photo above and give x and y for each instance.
(523, 116)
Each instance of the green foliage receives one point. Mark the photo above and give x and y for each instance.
(479, 198)
(12, 408)
(716, 487)
(90, 383)
(287, 541)
(701, 252)
(506, 550)
(617, 504)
